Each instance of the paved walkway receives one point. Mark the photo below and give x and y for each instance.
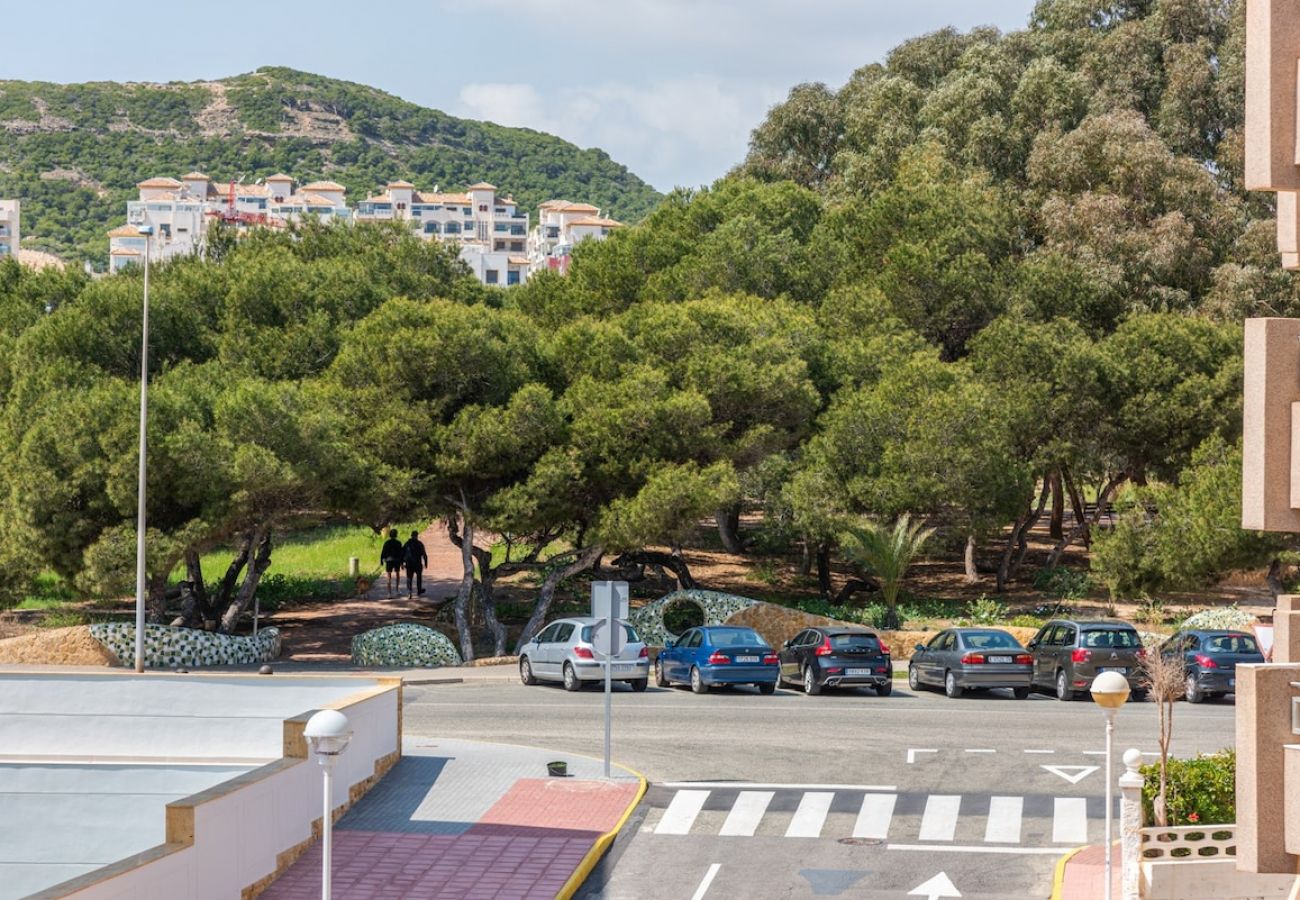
(1084, 876)
(460, 820)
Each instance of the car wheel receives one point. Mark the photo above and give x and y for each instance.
(950, 686)
(1063, 692)
(1193, 691)
(810, 685)
(571, 682)
(767, 687)
(913, 678)
(526, 671)
(660, 680)
(639, 684)
(884, 690)
(697, 682)
(1021, 693)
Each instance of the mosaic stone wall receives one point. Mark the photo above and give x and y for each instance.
(406, 644)
(648, 620)
(166, 647)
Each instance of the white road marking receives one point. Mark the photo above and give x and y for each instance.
(912, 751)
(1103, 752)
(980, 750)
(1003, 826)
(939, 822)
(955, 848)
(746, 785)
(935, 888)
(1072, 774)
(1070, 820)
(811, 814)
(681, 812)
(708, 880)
(874, 817)
(746, 813)
(1040, 751)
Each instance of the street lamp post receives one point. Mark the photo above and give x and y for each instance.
(328, 732)
(1110, 691)
(147, 231)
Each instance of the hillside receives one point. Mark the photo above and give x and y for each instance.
(75, 152)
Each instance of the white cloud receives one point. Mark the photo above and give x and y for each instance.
(517, 105)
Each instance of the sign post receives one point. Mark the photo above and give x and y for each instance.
(609, 604)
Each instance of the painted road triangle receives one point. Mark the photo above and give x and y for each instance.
(1072, 774)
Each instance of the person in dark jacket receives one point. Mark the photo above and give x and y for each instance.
(390, 557)
(415, 560)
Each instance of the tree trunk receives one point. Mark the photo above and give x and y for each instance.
(156, 597)
(1058, 505)
(674, 562)
(1017, 536)
(1102, 499)
(487, 587)
(465, 595)
(203, 613)
(729, 529)
(1076, 504)
(972, 575)
(1022, 543)
(824, 570)
(583, 560)
(227, 586)
(261, 539)
(805, 559)
(854, 586)
(1275, 577)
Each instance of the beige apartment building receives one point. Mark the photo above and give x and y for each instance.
(10, 233)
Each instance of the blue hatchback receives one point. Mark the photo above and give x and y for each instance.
(718, 654)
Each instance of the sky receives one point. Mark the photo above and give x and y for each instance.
(670, 88)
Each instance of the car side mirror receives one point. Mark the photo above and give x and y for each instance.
(669, 644)
(919, 648)
(785, 645)
(1031, 645)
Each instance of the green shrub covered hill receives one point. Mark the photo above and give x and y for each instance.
(74, 152)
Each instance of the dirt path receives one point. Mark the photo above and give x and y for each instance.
(324, 633)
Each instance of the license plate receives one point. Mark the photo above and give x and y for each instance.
(1120, 669)
(858, 671)
(1000, 659)
(741, 659)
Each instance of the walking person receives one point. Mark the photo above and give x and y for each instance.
(390, 557)
(415, 559)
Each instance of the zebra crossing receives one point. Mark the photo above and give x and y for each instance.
(903, 820)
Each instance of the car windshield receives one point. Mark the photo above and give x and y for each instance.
(1232, 643)
(627, 630)
(1112, 637)
(855, 642)
(735, 637)
(990, 640)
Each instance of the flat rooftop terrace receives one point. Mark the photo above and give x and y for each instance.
(88, 763)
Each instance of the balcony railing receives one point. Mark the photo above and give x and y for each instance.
(1189, 842)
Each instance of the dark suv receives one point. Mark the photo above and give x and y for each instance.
(1069, 654)
(837, 657)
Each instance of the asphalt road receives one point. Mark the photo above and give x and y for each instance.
(847, 795)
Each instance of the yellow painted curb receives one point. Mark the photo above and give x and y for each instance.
(602, 843)
(1058, 877)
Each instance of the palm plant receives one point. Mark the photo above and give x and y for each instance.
(887, 552)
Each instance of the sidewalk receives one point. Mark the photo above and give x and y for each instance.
(1081, 874)
(461, 819)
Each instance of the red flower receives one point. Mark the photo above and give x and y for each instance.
(1193, 818)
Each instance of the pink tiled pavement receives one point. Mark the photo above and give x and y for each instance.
(1085, 874)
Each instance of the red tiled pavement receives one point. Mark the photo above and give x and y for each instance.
(1085, 874)
(563, 803)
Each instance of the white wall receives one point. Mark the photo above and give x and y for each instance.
(1209, 879)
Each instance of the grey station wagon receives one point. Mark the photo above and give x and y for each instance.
(1069, 654)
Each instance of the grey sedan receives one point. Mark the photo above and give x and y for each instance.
(563, 652)
(961, 659)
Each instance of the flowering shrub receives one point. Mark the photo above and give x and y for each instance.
(1202, 791)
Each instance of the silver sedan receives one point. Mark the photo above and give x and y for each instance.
(961, 659)
(563, 652)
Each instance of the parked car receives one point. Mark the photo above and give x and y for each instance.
(718, 654)
(1070, 653)
(962, 659)
(819, 658)
(563, 652)
(1210, 660)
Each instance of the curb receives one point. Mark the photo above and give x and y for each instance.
(602, 843)
(1058, 875)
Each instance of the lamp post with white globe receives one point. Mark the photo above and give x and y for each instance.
(1110, 691)
(328, 732)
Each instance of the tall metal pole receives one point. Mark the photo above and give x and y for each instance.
(612, 623)
(1110, 801)
(140, 485)
(326, 827)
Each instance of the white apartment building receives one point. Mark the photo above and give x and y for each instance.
(560, 226)
(9, 231)
(490, 231)
(181, 212)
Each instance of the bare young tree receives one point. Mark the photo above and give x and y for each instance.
(1164, 676)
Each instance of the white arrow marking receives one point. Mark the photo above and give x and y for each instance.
(912, 751)
(938, 886)
(1072, 774)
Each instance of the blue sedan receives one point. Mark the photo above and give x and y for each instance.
(718, 654)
